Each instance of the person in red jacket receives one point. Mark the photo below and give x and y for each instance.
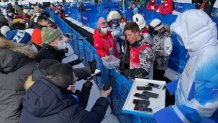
(104, 42)
(61, 14)
(152, 5)
(166, 7)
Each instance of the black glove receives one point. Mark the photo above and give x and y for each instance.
(88, 84)
(75, 62)
(92, 65)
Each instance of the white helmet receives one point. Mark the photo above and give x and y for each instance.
(140, 21)
(156, 24)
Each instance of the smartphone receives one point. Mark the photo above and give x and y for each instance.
(141, 96)
(154, 85)
(148, 88)
(150, 94)
(139, 108)
(141, 105)
(109, 84)
(141, 102)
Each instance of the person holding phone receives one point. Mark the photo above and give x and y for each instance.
(49, 99)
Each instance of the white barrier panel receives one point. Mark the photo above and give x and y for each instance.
(216, 4)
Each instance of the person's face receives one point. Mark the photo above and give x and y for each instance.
(131, 37)
(164, 1)
(103, 28)
(44, 23)
(55, 42)
(104, 24)
(10, 14)
(152, 1)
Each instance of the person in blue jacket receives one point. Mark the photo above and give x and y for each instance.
(196, 90)
(50, 100)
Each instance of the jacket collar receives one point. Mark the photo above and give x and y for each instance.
(137, 43)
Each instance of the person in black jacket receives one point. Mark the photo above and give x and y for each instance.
(80, 73)
(53, 46)
(15, 65)
(81, 97)
(49, 101)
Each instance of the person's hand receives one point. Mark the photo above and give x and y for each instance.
(71, 88)
(106, 93)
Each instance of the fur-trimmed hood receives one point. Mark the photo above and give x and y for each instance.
(17, 47)
(113, 15)
(14, 56)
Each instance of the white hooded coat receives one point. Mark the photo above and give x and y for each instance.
(197, 89)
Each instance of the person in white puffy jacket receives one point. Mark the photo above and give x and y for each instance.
(197, 88)
(113, 22)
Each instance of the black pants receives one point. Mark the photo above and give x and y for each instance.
(208, 6)
(159, 75)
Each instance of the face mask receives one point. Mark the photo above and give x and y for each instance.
(114, 25)
(61, 45)
(26, 25)
(31, 11)
(10, 14)
(165, 4)
(104, 30)
(38, 14)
